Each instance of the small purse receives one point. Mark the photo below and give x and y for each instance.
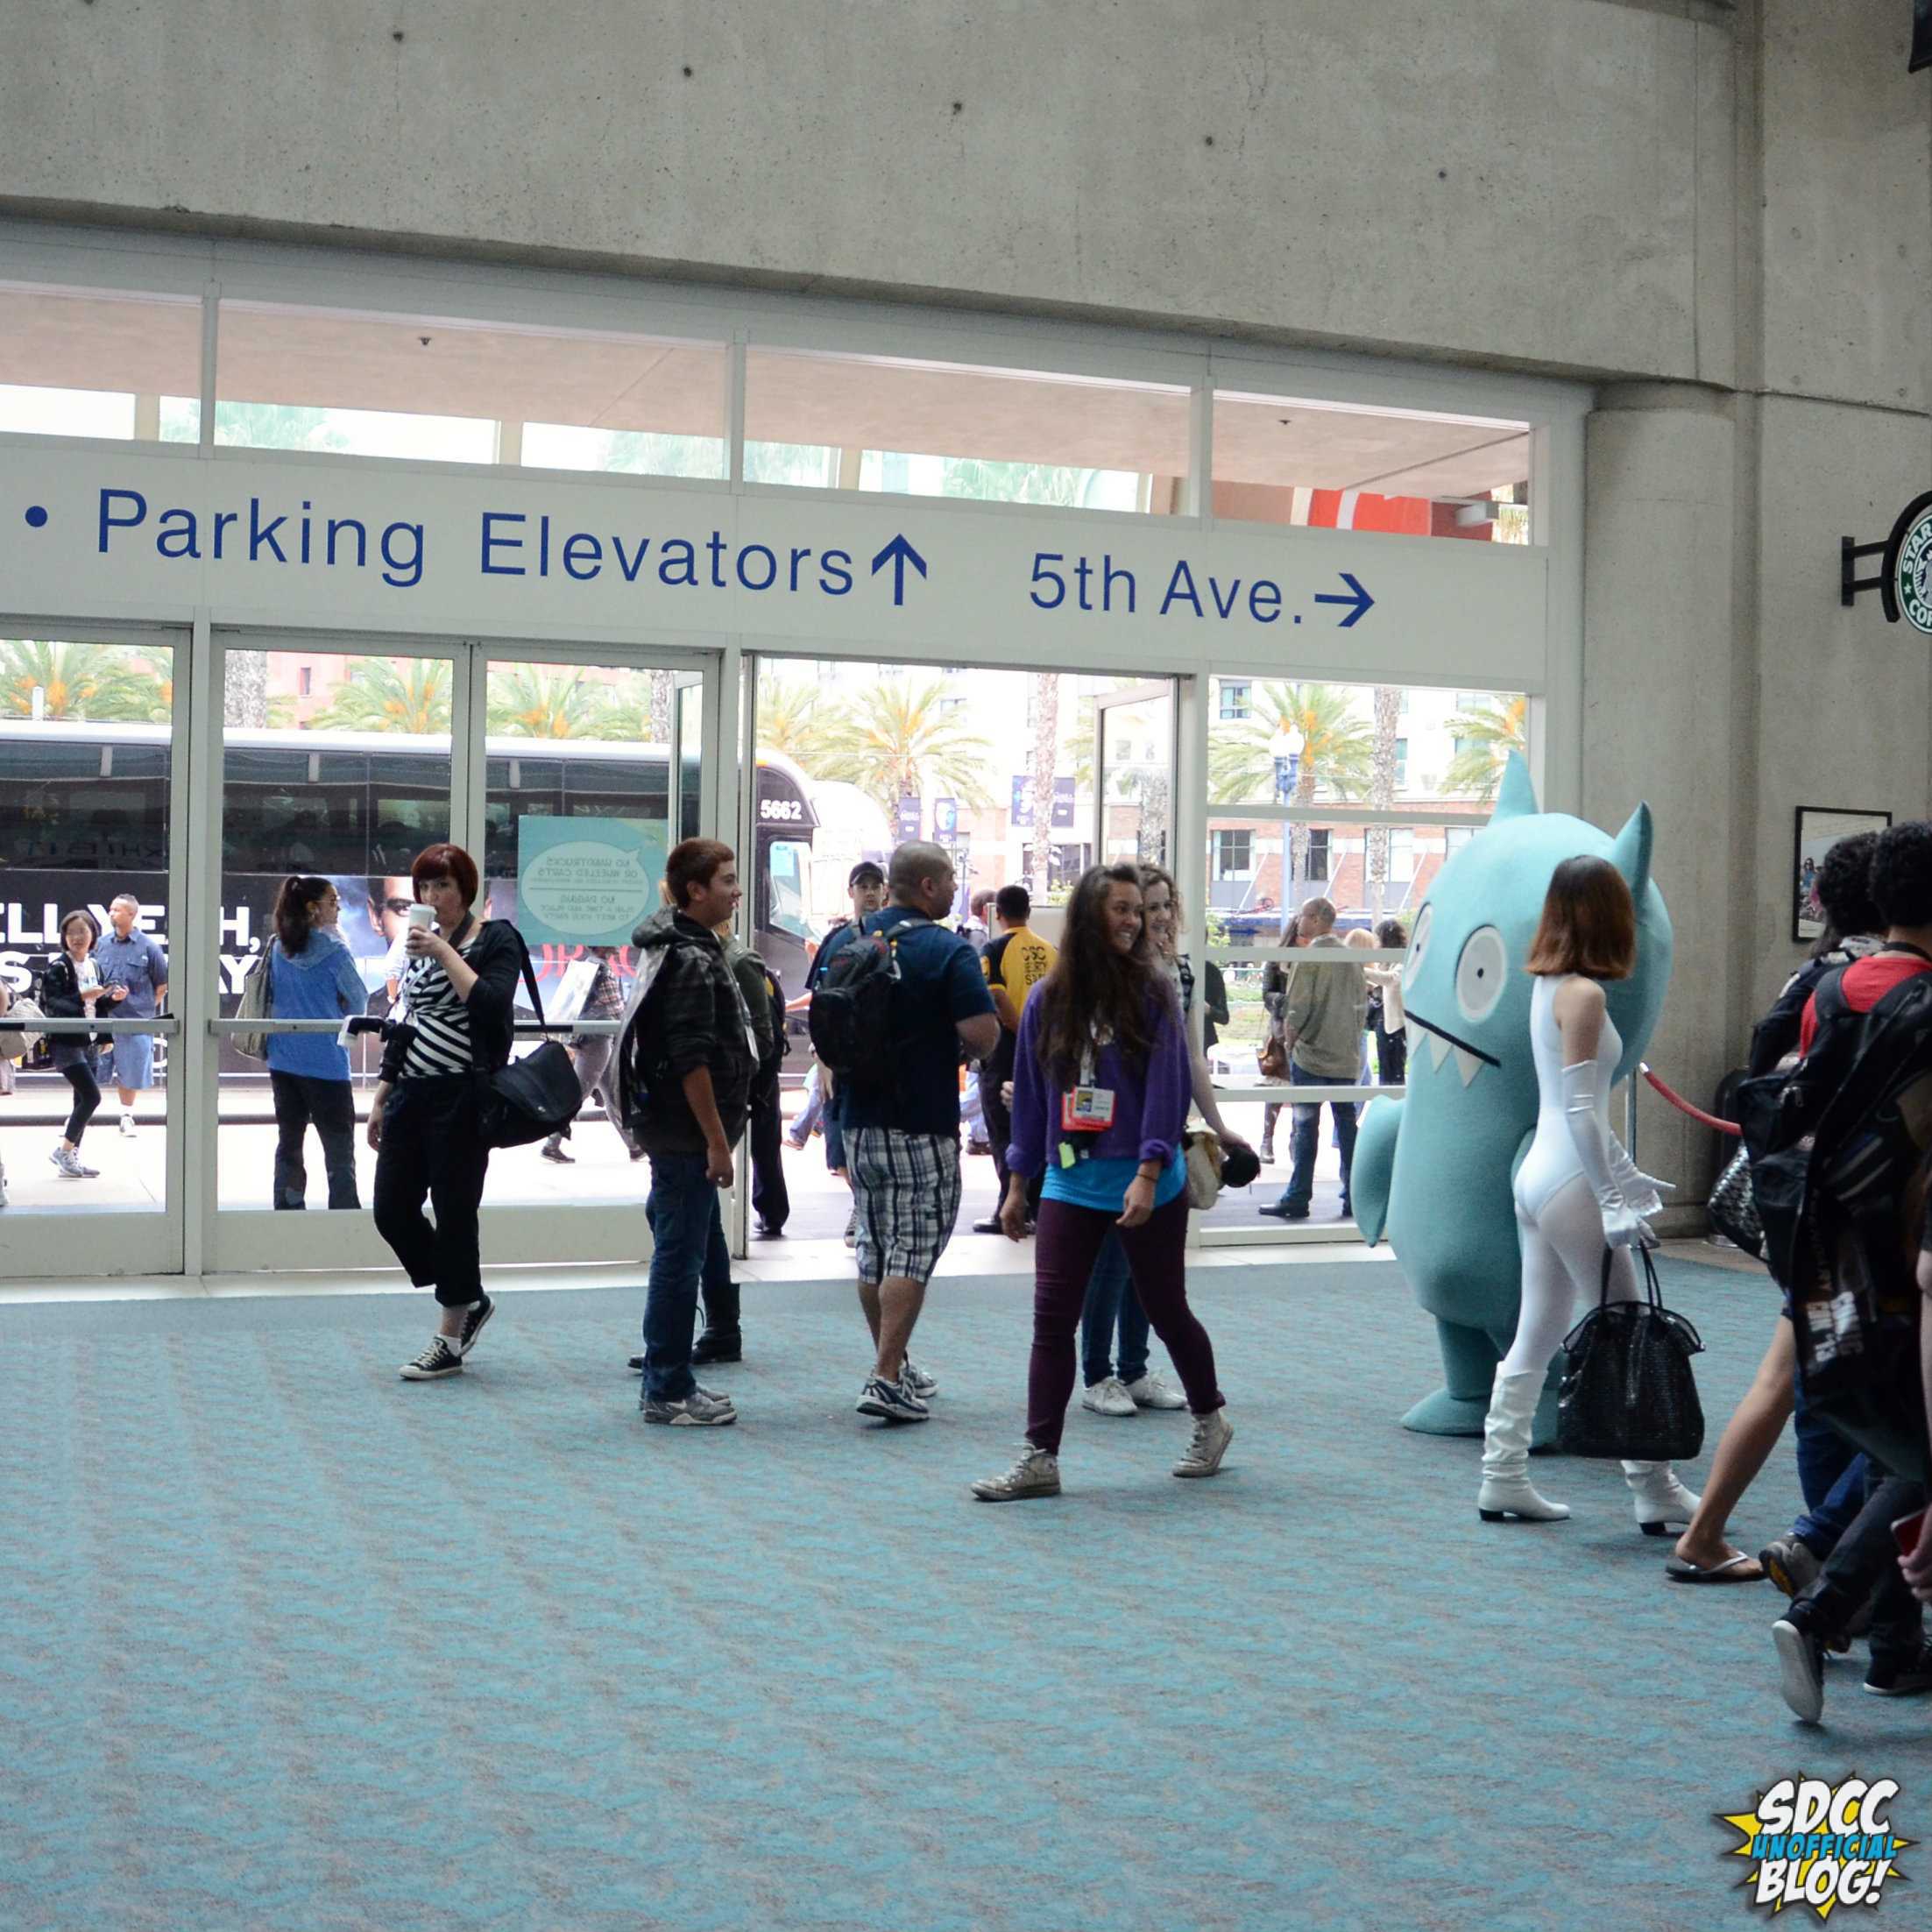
(531, 1099)
(1733, 1206)
(1272, 1055)
(1628, 1392)
(1203, 1155)
(256, 1003)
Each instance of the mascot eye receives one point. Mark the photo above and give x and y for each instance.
(1418, 944)
(1480, 973)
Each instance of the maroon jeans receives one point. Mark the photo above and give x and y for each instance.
(1066, 1246)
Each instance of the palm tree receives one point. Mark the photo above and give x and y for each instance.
(794, 721)
(1381, 788)
(409, 695)
(1046, 755)
(1485, 737)
(540, 701)
(894, 741)
(97, 682)
(1331, 749)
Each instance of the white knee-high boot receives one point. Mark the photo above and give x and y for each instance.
(1658, 1498)
(1506, 1488)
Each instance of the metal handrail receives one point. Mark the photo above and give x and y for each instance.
(1303, 1095)
(1315, 955)
(365, 1022)
(165, 1024)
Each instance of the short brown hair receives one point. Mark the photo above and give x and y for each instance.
(446, 861)
(694, 862)
(1589, 924)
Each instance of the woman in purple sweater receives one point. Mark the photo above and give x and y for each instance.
(1101, 1087)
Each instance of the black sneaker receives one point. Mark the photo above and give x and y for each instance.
(1909, 1678)
(1801, 1665)
(438, 1360)
(717, 1345)
(473, 1319)
(636, 1365)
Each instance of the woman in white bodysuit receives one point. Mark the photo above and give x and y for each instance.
(1577, 1191)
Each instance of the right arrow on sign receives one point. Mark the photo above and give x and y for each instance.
(899, 553)
(1359, 601)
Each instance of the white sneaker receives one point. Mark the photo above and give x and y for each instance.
(127, 1126)
(852, 1228)
(1213, 1432)
(71, 1164)
(1151, 1392)
(1108, 1396)
(1035, 1474)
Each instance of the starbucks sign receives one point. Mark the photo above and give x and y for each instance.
(1909, 572)
(1904, 581)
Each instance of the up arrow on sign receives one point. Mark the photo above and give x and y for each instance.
(899, 553)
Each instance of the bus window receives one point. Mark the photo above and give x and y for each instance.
(788, 863)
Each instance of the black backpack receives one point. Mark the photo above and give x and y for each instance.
(1834, 1143)
(853, 1006)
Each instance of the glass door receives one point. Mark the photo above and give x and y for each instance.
(1134, 775)
(567, 774)
(92, 869)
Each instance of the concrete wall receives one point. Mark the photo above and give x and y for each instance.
(1538, 182)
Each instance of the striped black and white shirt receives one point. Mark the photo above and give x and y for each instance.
(442, 1041)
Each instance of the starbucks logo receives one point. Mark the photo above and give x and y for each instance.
(1912, 573)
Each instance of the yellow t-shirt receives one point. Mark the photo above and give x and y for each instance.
(1017, 961)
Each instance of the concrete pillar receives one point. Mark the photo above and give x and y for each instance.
(1660, 719)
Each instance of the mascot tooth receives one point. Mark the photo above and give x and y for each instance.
(1432, 1170)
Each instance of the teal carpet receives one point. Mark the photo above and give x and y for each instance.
(286, 1643)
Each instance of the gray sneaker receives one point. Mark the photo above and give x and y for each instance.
(1213, 1432)
(1035, 1474)
(894, 1400)
(71, 1164)
(923, 1385)
(699, 1410)
(1790, 1563)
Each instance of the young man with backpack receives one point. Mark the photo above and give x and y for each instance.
(897, 997)
(685, 1066)
(1839, 1148)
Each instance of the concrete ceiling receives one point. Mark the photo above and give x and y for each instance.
(344, 361)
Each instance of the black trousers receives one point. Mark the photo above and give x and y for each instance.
(999, 1131)
(432, 1147)
(1864, 1568)
(302, 1101)
(87, 1097)
(771, 1198)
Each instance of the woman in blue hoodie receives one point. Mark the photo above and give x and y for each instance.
(314, 976)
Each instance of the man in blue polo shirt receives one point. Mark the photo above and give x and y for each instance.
(902, 1134)
(134, 966)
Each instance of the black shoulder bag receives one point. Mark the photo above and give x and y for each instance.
(531, 1099)
(1627, 1391)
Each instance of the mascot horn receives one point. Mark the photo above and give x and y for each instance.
(1433, 1170)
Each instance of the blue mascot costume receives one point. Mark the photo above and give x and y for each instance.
(1433, 1170)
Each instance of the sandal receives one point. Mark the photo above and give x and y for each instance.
(1729, 1571)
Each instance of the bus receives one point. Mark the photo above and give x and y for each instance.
(84, 817)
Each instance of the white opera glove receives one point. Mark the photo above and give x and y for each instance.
(1640, 1189)
(1624, 1223)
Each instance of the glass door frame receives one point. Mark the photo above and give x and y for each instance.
(256, 1240)
(67, 1244)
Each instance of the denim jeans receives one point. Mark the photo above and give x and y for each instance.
(1307, 1139)
(1111, 1301)
(688, 1243)
(1832, 1475)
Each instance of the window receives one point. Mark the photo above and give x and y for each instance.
(940, 429)
(1237, 698)
(790, 866)
(1342, 467)
(436, 390)
(1401, 857)
(1233, 855)
(1318, 848)
(1402, 762)
(305, 683)
(74, 362)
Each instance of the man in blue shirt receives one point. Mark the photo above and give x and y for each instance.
(902, 1132)
(135, 968)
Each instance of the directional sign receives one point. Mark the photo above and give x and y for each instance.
(159, 530)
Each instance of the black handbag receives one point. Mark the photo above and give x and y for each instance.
(1628, 1392)
(1733, 1206)
(537, 1096)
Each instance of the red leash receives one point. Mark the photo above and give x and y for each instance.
(1696, 1113)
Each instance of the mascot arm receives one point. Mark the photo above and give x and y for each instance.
(1373, 1166)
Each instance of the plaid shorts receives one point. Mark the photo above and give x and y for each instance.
(905, 1188)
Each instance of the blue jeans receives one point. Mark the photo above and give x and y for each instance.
(1832, 1474)
(1306, 1138)
(688, 1242)
(1111, 1300)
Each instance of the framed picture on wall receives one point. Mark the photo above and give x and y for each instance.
(1819, 827)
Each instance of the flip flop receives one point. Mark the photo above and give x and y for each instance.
(1729, 1571)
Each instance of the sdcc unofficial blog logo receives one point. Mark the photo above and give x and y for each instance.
(1819, 1845)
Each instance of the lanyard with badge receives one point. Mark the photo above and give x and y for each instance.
(1084, 1109)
